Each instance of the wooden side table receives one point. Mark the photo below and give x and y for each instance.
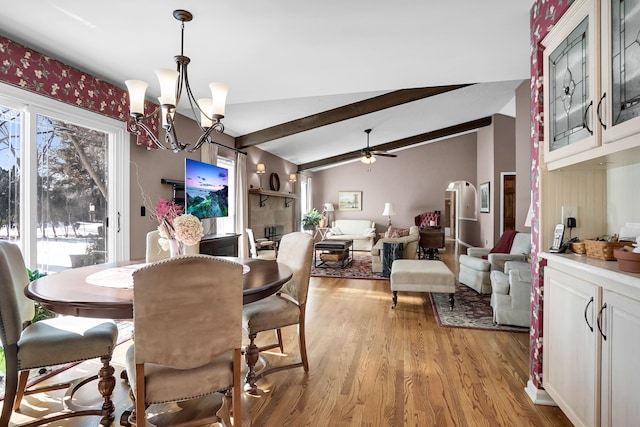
(322, 231)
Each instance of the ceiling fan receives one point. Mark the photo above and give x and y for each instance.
(368, 155)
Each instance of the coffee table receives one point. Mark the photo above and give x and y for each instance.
(333, 251)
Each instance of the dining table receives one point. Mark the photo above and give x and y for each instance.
(106, 291)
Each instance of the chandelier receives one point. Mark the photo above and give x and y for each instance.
(172, 83)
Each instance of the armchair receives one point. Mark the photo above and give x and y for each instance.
(409, 248)
(477, 264)
(511, 294)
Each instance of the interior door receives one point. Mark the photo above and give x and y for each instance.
(508, 202)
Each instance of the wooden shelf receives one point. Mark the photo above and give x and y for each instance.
(265, 194)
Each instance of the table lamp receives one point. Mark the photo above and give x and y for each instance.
(329, 208)
(388, 211)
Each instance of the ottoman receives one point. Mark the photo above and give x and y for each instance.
(414, 275)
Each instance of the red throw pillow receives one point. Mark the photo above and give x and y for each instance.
(397, 232)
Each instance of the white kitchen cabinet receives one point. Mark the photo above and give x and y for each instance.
(620, 324)
(592, 84)
(591, 341)
(571, 346)
(570, 84)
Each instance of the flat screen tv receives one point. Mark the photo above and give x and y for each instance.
(206, 190)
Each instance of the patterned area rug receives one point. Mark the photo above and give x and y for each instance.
(360, 268)
(471, 310)
(125, 331)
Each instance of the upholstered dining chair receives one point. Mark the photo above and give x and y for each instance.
(285, 308)
(258, 247)
(47, 342)
(156, 253)
(187, 333)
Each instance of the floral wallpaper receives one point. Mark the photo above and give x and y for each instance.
(544, 14)
(29, 70)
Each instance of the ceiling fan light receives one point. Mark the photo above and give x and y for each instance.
(367, 160)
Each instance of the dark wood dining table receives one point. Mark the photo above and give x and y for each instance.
(70, 292)
(86, 292)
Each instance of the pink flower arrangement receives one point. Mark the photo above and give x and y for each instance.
(175, 228)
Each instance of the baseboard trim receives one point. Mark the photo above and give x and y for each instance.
(538, 396)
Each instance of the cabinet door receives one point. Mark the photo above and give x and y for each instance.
(570, 83)
(571, 346)
(620, 107)
(620, 324)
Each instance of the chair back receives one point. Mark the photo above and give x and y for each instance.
(252, 243)
(296, 252)
(16, 309)
(156, 253)
(187, 310)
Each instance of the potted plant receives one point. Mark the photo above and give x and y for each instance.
(311, 219)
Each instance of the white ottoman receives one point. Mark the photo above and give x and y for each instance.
(421, 276)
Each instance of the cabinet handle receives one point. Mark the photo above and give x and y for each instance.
(600, 321)
(604, 95)
(584, 119)
(585, 314)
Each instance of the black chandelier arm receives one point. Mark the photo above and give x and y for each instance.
(138, 126)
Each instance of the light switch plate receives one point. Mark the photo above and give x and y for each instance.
(569, 212)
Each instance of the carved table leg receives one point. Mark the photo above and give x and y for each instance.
(451, 300)
(251, 356)
(106, 385)
(394, 299)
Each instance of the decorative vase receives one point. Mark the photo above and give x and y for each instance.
(323, 223)
(176, 248)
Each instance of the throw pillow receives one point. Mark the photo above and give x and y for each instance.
(397, 232)
(369, 231)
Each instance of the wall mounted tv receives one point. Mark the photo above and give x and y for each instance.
(206, 190)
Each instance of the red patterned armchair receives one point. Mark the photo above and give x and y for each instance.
(425, 219)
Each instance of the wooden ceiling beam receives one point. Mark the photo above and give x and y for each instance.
(404, 142)
(339, 114)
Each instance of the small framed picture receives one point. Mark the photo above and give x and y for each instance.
(350, 200)
(484, 197)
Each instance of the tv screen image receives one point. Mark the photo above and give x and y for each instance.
(206, 189)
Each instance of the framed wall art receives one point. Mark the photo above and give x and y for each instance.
(350, 200)
(484, 197)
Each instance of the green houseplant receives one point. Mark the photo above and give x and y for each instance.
(311, 219)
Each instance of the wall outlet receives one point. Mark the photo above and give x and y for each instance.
(569, 211)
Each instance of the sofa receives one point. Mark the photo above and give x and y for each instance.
(409, 248)
(477, 264)
(361, 231)
(511, 294)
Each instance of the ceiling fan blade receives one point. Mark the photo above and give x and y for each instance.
(384, 154)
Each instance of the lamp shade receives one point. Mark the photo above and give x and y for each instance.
(136, 88)
(388, 209)
(168, 80)
(206, 109)
(328, 207)
(260, 168)
(527, 222)
(293, 177)
(219, 93)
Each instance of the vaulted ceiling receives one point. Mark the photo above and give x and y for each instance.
(306, 79)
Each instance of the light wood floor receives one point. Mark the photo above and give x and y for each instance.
(376, 366)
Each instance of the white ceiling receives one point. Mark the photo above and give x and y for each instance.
(287, 59)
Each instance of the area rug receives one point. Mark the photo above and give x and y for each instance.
(471, 310)
(125, 332)
(360, 268)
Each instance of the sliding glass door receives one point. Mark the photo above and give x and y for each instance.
(63, 184)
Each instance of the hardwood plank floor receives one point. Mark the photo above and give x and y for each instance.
(371, 365)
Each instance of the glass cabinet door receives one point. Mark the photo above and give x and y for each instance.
(570, 84)
(621, 68)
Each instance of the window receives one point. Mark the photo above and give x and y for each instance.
(63, 182)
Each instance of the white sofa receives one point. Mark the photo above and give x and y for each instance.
(361, 231)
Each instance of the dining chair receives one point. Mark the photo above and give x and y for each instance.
(187, 333)
(258, 247)
(155, 252)
(285, 308)
(49, 342)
